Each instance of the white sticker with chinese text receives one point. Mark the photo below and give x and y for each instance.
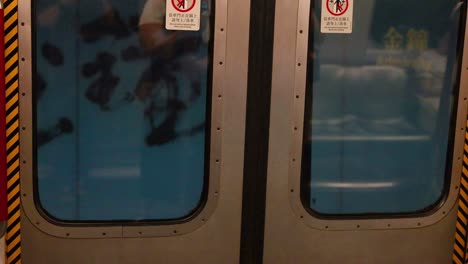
(183, 15)
(337, 16)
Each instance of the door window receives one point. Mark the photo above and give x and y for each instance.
(122, 109)
(379, 108)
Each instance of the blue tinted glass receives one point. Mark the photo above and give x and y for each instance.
(121, 110)
(379, 106)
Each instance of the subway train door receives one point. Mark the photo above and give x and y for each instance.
(368, 120)
(131, 130)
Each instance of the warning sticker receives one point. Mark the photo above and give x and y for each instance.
(337, 16)
(183, 15)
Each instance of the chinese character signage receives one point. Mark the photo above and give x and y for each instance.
(404, 50)
(337, 16)
(416, 40)
(183, 15)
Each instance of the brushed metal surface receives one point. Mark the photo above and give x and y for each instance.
(214, 240)
(294, 236)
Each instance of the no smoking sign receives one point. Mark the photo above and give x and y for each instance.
(337, 16)
(183, 15)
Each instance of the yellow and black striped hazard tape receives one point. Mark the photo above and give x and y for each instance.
(13, 234)
(460, 255)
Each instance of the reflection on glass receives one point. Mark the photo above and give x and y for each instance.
(121, 110)
(378, 108)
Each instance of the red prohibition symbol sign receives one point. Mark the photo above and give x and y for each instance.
(183, 5)
(337, 7)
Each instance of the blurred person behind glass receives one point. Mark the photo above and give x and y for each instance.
(176, 78)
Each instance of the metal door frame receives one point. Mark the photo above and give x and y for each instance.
(295, 158)
(289, 227)
(216, 229)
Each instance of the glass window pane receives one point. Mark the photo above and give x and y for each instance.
(379, 107)
(121, 110)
